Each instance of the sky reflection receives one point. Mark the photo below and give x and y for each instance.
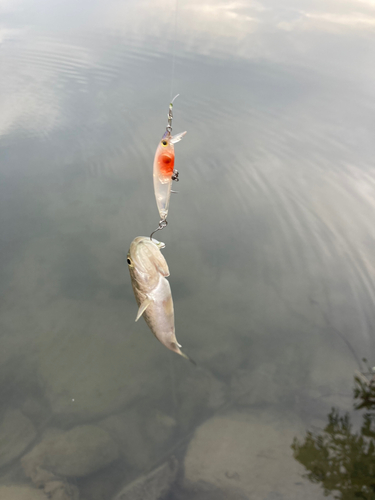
(35, 57)
(271, 239)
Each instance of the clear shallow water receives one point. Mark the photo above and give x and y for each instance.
(270, 239)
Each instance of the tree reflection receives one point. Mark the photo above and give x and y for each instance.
(341, 460)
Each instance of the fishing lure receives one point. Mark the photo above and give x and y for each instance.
(164, 171)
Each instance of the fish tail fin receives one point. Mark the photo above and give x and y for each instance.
(187, 357)
(176, 347)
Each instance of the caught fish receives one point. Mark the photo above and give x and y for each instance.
(164, 172)
(148, 271)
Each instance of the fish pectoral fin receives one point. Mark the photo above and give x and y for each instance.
(143, 307)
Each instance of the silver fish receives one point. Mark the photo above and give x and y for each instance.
(148, 271)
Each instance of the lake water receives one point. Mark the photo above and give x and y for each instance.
(270, 244)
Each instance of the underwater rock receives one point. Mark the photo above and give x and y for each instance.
(21, 493)
(89, 367)
(140, 438)
(36, 410)
(75, 453)
(203, 491)
(249, 454)
(152, 486)
(258, 386)
(198, 395)
(331, 370)
(103, 484)
(128, 432)
(159, 427)
(225, 357)
(61, 490)
(16, 434)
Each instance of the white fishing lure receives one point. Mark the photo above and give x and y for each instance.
(164, 171)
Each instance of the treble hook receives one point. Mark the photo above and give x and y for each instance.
(162, 224)
(170, 114)
(175, 175)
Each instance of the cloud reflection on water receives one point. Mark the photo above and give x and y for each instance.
(36, 59)
(93, 88)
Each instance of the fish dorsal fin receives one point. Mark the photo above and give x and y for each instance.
(143, 307)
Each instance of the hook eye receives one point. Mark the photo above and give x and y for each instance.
(162, 224)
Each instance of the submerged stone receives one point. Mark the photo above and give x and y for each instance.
(21, 493)
(128, 432)
(75, 453)
(152, 486)
(16, 433)
(248, 454)
(141, 438)
(87, 373)
(198, 395)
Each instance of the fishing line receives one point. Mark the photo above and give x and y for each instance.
(174, 48)
(164, 159)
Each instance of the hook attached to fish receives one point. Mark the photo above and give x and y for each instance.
(162, 224)
(164, 172)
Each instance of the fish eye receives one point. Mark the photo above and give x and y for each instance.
(129, 261)
(164, 142)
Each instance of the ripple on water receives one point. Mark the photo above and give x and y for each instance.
(247, 155)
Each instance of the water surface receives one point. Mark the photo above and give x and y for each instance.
(269, 243)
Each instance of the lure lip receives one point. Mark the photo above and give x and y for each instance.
(177, 138)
